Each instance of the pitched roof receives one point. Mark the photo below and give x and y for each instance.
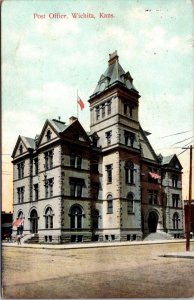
(29, 142)
(114, 74)
(167, 159)
(58, 125)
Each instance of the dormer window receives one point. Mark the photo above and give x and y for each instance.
(21, 149)
(48, 135)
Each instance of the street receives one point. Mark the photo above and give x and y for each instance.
(134, 271)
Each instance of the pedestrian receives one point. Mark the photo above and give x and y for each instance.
(19, 239)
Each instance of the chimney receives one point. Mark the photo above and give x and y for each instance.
(113, 57)
(72, 119)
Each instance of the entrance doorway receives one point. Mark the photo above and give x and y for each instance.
(152, 221)
(34, 221)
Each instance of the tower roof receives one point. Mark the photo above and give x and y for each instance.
(114, 74)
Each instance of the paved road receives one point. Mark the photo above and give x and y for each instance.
(118, 272)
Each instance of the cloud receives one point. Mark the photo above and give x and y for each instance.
(30, 51)
(137, 13)
(24, 123)
(52, 98)
(56, 29)
(158, 40)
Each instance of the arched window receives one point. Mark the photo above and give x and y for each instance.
(76, 217)
(20, 223)
(175, 221)
(49, 218)
(48, 135)
(95, 218)
(130, 198)
(129, 172)
(34, 221)
(109, 204)
(20, 215)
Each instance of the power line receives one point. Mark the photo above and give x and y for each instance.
(176, 133)
(183, 140)
(182, 152)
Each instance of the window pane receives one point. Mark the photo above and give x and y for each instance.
(79, 162)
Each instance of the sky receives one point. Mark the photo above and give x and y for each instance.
(47, 57)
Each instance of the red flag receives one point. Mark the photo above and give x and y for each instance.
(17, 222)
(80, 102)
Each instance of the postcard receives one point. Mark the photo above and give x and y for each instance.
(97, 140)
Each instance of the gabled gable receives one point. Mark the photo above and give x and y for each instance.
(76, 132)
(23, 146)
(172, 161)
(50, 131)
(147, 151)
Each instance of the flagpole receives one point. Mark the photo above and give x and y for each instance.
(77, 105)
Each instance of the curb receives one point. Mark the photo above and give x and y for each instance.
(92, 245)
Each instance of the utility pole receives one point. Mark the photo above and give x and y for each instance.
(188, 221)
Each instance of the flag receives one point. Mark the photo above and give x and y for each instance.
(80, 102)
(17, 222)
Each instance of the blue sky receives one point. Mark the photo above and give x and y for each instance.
(45, 61)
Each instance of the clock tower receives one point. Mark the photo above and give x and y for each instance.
(115, 125)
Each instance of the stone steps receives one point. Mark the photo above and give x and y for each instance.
(158, 236)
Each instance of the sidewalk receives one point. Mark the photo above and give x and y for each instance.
(186, 254)
(103, 244)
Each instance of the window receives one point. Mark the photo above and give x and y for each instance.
(175, 200)
(20, 167)
(108, 137)
(36, 192)
(103, 110)
(129, 138)
(76, 185)
(152, 197)
(175, 221)
(128, 237)
(109, 204)
(36, 166)
(175, 181)
(49, 218)
(21, 149)
(48, 135)
(129, 172)
(75, 161)
(130, 199)
(48, 156)
(97, 112)
(20, 193)
(109, 173)
(76, 217)
(109, 107)
(49, 187)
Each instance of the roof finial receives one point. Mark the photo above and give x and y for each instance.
(113, 57)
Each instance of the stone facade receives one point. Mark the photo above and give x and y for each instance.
(109, 184)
